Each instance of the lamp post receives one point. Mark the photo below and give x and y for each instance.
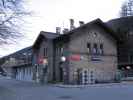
(64, 69)
(63, 59)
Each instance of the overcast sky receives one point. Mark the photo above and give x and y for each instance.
(51, 13)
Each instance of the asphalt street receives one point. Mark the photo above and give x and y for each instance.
(19, 90)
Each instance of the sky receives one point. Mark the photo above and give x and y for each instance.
(49, 14)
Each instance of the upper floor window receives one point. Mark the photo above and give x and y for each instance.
(95, 48)
(59, 51)
(94, 34)
(101, 49)
(89, 47)
(131, 58)
(45, 52)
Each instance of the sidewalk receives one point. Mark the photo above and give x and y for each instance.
(60, 85)
(93, 85)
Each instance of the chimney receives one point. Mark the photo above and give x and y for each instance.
(65, 30)
(81, 23)
(72, 24)
(58, 30)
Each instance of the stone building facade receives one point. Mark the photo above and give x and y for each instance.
(43, 48)
(89, 52)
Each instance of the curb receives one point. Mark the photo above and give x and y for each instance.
(92, 85)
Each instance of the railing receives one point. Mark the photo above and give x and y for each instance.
(16, 63)
(23, 63)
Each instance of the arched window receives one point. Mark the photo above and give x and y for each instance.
(95, 48)
(101, 49)
(89, 47)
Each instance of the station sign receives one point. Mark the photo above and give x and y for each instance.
(96, 58)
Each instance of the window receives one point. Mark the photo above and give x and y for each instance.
(94, 34)
(101, 49)
(95, 48)
(131, 58)
(56, 50)
(45, 52)
(89, 47)
(61, 51)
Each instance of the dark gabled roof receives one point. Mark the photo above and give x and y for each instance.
(123, 23)
(19, 53)
(98, 22)
(47, 35)
(55, 36)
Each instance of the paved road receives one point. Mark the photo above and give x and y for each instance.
(17, 90)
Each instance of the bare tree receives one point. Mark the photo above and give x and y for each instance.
(127, 9)
(11, 12)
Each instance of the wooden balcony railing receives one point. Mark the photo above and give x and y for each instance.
(16, 63)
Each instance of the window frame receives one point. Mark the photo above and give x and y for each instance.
(95, 49)
(89, 47)
(101, 49)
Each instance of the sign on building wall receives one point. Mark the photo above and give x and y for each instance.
(42, 60)
(96, 58)
(75, 57)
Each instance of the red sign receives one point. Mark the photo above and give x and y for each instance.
(75, 57)
(40, 60)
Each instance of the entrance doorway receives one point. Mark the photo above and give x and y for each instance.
(85, 76)
(61, 74)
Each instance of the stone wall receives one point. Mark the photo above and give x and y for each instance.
(105, 69)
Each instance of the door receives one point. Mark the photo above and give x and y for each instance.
(87, 76)
(61, 74)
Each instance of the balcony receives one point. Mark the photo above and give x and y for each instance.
(17, 62)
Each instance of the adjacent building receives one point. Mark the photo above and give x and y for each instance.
(18, 65)
(123, 27)
(43, 48)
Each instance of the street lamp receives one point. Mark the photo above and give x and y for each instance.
(63, 59)
(64, 69)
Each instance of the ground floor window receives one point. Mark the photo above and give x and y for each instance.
(23, 73)
(85, 76)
